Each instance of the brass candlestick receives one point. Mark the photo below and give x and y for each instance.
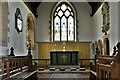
(64, 46)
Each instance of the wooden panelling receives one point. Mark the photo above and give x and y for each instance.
(44, 49)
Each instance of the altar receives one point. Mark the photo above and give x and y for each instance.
(64, 57)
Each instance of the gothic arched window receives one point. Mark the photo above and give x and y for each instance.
(63, 22)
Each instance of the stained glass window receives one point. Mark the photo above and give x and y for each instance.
(64, 28)
(57, 28)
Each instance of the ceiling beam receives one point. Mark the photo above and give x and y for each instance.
(94, 6)
(33, 7)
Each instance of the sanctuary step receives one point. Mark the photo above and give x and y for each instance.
(64, 70)
(63, 66)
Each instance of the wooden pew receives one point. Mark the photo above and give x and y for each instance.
(18, 67)
(93, 73)
(108, 67)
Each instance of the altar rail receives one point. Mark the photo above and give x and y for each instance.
(81, 62)
(16, 67)
(108, 67)
(47, 62)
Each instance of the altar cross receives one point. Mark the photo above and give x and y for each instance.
(64, 58)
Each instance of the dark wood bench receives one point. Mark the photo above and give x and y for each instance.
(93, 73)
(18, 67)
(107, 67)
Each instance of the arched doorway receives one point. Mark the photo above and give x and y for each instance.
(30, 31)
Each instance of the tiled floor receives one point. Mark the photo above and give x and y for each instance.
(63, 76)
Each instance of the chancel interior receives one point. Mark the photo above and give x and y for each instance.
(64, 39)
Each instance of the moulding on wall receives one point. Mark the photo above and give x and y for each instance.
(4, 24)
